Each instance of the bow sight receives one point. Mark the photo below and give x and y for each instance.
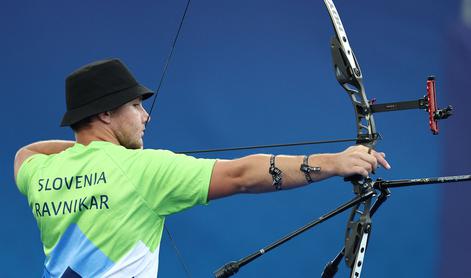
(428, 103)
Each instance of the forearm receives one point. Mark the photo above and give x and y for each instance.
(255, 176)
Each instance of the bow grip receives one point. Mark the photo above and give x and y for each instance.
(354, 178)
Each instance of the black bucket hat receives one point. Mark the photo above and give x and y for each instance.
(98, 87)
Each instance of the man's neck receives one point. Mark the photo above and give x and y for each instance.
(88, 135)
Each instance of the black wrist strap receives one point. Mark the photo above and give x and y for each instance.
(275, 173)
(307, 170)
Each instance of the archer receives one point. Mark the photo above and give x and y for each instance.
(114, 227)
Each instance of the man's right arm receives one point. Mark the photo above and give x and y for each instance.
(41, 147)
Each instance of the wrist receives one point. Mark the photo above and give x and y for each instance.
(327, 163)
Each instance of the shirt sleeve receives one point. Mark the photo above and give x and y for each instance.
(170, 182)
(27, 170)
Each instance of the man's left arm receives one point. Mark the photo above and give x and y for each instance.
(42, 147)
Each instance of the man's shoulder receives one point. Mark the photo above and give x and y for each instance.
(131, 157)
(109, 147)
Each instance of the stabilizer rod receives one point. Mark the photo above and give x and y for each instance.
(331, 267)
(231, 268)
(379, 184)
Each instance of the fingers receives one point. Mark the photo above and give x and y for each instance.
(359, 160)
(380, 157)
(357, 170)
(363, 168)
(366, 160)
(370, 159)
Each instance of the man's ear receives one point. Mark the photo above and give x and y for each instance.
(105, 117)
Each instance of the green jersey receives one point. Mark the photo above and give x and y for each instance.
(101, 208)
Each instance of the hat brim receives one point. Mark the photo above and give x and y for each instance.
(105, 103)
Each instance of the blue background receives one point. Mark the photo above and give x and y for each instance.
(256, 72)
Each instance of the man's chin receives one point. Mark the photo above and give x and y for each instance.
(135, 146)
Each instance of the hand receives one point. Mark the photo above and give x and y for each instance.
(358, 160)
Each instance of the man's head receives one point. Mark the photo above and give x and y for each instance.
(105, 95)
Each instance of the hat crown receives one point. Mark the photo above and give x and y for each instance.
(98, 87)
(97, 80)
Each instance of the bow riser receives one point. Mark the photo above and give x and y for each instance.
(353, 85)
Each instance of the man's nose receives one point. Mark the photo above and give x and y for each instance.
(146, 117)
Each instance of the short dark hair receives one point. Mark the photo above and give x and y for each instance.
(82, 123)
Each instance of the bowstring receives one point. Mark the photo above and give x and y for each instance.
(179, 255)
(169, 58)
(162, 79)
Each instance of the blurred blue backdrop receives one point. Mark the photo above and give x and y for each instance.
(257, 72)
